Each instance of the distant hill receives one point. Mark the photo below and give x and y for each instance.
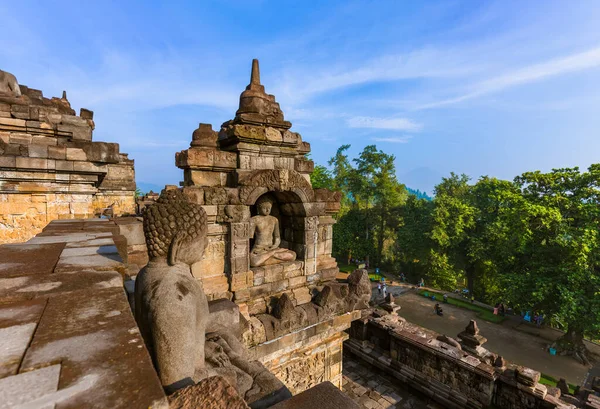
(146, 187)
(424, 179)
(418, 193)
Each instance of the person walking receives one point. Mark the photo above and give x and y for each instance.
(379, 287)
(384, 290)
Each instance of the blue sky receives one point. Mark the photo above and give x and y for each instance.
(478, 87)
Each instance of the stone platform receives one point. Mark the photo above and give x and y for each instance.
(68, 337)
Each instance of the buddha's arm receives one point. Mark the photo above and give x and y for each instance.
(276, 237)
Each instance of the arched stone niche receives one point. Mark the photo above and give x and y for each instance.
(298, 231)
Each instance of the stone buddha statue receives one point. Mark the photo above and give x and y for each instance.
(172, 311)
(170, 305)
(9, 84)
(265, 230)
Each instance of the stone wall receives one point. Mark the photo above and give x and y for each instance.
(50, 168)
(442, 370)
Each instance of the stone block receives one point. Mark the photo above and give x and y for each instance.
(207, 178)
(38, 151)
(57, 152)
(258, 276)
(132, 231)
(80, 166)
(20, 138)
(252, 132)
(194, 194)
(273, 273)
(241, 295)
(44, 140)
(64, 165)
(273, 135)
(20, 111)
(215, 196)
(8, 161)
(304, 166)
(12, 123)
(100, 151)
(261, 162)
(225, 160)
(215, 284)
(95, 331)
(283, 163)
(211, 393)
(295, 282)
(76, 154)
(261, 290)
(257, 306)
(31, 163)
(291, 137)
(302, 295)
(23, 390)
(239, 281)
(78, 132)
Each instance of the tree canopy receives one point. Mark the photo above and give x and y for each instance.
(532, 243)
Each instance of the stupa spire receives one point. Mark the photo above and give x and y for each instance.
(255, 74)
(257, 107)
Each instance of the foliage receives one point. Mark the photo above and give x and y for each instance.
(370, 196)
(532, 243)
(321, 178)
(555, 263)
(138, 192)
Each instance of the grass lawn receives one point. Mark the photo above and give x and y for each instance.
(482, 313)
(346, 268)
(550, 381)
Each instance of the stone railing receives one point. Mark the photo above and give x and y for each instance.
(438, 367)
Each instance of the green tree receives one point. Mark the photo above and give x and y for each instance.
(555, 245)
(321, 178)
(413, 242)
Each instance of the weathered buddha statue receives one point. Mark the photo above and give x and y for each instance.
(9, 84)
(170, 305)
(265, 230)
(172, 311)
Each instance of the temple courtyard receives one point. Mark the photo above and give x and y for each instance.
(508, 339)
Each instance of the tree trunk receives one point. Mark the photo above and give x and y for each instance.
(572, 344)
(380, 240)
(470, 280)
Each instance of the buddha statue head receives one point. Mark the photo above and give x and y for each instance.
(175, 229)
(264, 205)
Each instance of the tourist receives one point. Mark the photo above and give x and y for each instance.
(437, 309)
(422, 282)
(384, 289)
(379, 287)
(445, 298)
(501, 309)
(540, 318)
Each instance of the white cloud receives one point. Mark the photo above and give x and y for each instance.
(537, 72)
(399, 124)
(393, 139)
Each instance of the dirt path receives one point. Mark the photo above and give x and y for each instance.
(515, 346)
